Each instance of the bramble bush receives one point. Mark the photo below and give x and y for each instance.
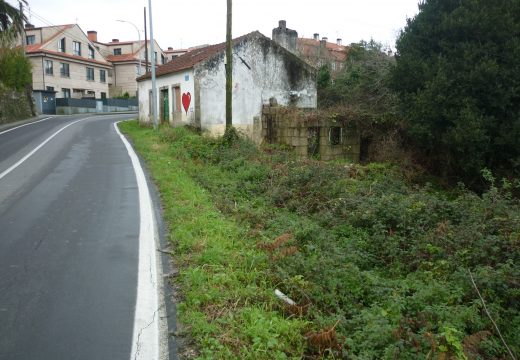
(387, 258)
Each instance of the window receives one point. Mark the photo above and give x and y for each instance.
(335, 135)
(102, 76)
(90, 74)
(103, 95)
(49, 88)
(48, 67)
(61, 45)
(76, 48)
(64, 70)
(155, 57)
(30, 39)
(137, 70)
(163, 59)
(117, 51)
(66, 93)
(90, 52)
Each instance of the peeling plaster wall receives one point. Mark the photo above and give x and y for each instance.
(274, 72)
(185, 80)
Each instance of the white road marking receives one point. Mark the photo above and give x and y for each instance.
(145, 344)
(21, 161)
(17, 127)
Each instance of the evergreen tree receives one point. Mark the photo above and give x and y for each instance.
(458, 77)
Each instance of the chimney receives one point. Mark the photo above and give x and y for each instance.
(29, 26)
(115, 40)
(170, 48)
(282, 24)
(92, 35)
(339, 41)
(325, 39)
(316, 36)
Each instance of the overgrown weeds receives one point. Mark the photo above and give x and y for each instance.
(362, 251)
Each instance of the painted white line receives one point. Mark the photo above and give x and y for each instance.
(145, 343)
(20, 162)
(31, 123)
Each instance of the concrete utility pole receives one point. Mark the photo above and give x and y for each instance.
(145, 44)
(152, 50)
(139, 47)
(229, 68)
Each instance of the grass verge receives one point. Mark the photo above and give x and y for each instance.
(228, 305)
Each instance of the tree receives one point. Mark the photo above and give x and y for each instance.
(458, 80)
(11, 20)
(363, 85)
(15, 69)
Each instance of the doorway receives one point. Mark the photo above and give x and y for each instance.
(164, 112)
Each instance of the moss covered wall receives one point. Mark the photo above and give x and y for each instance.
(14, 106)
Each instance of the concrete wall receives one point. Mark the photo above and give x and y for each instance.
(293, 127)
(185, 81)
(261, 70)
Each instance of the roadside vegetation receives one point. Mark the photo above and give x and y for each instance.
(379, 266)
(413, 255)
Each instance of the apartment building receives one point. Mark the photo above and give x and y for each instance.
(76, 65)
(128, 59)
(314, 51)
(64, 60)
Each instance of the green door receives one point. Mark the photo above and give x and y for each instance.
(166, 110)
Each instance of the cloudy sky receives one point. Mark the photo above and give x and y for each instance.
(184, 23)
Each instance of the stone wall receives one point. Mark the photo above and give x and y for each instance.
(310, 133)
(14, 106)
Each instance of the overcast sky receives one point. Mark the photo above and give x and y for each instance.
(193, 22)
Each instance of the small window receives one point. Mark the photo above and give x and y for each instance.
(49, 67)
(76, 48)
(117, 51)
(155, 57)
(335, 135)
(66, 93)
(90, 74)
(102, 76)
(64, 70)
(103, 95)
(90, 52)
(163, 59)
(30, 39)
(49, 88)
(61, 45)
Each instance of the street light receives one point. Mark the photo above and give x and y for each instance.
(139, 35)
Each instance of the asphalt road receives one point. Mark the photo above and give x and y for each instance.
(69, 241)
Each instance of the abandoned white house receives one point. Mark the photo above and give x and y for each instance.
(191, 87)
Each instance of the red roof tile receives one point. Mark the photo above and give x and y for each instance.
(308, 48)
(123, 57)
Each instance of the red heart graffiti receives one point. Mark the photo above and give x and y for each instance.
(186, 100)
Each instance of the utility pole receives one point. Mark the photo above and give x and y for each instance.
(22, 32)
(153, 57)
(145, 44)
(229, 68)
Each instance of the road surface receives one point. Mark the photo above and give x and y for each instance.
(71, 244)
